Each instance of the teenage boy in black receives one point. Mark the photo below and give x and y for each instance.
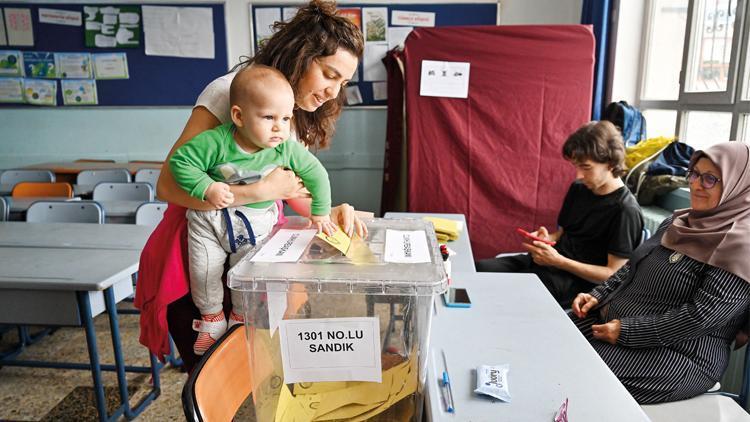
(600, 222)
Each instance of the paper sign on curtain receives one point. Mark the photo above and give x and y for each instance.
(444, 79)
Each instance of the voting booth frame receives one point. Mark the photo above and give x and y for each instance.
(335, 336)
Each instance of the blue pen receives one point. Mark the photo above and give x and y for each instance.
(447, 390)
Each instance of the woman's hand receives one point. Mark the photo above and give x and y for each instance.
(583, 303)
(345, 216)
(285, 184)
(608, 332)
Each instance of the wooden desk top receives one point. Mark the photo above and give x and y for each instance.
(77, 167)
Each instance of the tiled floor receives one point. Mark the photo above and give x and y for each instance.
(36, 394)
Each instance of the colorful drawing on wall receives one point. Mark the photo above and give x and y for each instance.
(73, 65)
(375, 23)
(39, 64)
(11, 63)
(40, 92)
(354, 14)
(79, 92)
(11, 90)
(112, 26)
(111, 66)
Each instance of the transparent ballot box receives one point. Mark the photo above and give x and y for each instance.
(339, 336)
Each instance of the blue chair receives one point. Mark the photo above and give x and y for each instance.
(65, 212)
(11, 177)
(92, 177)
(123, 192)
(150, 213)
(150, 176)
(4, 209)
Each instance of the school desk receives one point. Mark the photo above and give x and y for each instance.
(514, 320)
(66, 282)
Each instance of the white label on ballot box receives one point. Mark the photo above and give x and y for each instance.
(406, 247)
(286, 246)
(331, 349)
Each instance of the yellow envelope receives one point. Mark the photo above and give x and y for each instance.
(359, 253)
(295, 409)
(445, 226)
(339, 240)
(404, 384)
(368, 399)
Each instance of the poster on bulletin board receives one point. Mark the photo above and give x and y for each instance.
(87, 54)
(384, 26)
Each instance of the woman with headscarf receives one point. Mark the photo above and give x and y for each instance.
(665, 321)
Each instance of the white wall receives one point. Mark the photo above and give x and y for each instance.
(355, 161)
(528, 12)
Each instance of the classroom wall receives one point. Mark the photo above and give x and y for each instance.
(527, 12)
(355, 161)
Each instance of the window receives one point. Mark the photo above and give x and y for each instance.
(666, 36)
(661, 122)
(694, 50)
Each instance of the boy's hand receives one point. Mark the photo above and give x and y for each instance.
(542, 233)
(323, 223)
(219, 195)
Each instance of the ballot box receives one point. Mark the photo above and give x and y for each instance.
(338, 328)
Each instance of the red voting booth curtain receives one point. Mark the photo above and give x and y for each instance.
(496, 155)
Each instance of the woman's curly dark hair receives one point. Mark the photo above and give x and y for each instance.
(315, 31)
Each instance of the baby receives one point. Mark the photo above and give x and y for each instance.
(254, 143)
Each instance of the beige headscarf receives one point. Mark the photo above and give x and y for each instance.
(719, 236)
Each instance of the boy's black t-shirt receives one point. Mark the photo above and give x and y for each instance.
(597, 225)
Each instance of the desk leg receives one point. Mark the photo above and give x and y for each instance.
(84, 308)
(122, 382)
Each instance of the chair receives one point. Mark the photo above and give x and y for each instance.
(30, 189)
(65, 212)
(4, 209)
(221, 381)
(11, 177)
(93, 160)
(92, 177)
(150, 176)
(150, 213)
(716, 406)
(123, 192)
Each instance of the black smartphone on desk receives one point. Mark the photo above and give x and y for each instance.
(457, 297)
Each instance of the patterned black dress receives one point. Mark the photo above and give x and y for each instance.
(678, 318)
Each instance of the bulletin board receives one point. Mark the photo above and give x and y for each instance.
(153, 80)
(445, 14)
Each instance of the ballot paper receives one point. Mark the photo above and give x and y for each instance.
(285, 246)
